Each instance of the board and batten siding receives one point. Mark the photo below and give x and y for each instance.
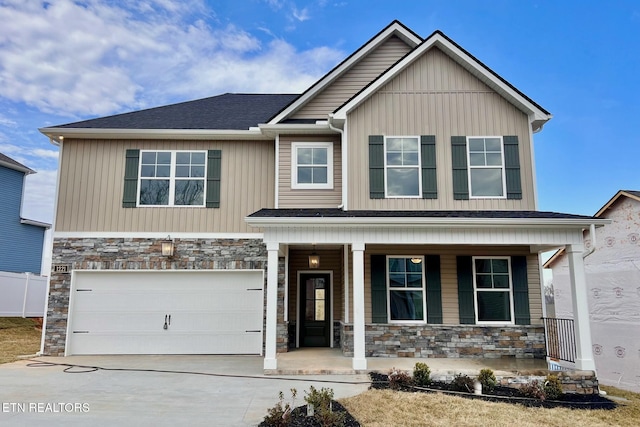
(298, 198)
(330, 260)
(436, 96)
(351, 82)
(449, 275)
(92, 177)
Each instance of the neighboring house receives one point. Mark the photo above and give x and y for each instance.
(21, 239)
(389, 210)
(613, 286)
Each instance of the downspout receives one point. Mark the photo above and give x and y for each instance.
(343, 149)
(58, 144)
(592, 249)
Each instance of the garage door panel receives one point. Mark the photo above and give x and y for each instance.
(217, 312)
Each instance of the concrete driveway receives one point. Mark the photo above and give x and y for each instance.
(140, 390)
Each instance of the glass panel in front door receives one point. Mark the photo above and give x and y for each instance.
(315, 299)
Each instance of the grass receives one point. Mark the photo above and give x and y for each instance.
(18, 337)
(387, 407)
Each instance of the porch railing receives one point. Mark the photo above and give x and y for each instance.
(561, 339)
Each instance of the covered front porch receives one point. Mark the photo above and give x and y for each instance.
(448, 320)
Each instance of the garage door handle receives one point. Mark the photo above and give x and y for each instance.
(165, 323)
(257, 330)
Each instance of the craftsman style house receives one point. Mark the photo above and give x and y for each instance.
(389, 210)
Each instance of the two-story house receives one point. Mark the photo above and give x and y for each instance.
(22, 238)
(389, 210)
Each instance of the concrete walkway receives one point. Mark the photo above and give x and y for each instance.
(139, 390)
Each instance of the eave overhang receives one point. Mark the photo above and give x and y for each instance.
(60, 133)
(403, 222)
(44, 225)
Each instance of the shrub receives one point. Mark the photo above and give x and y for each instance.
(280, 414)
(552, 387)
(322, 407)
(463, 383)
(534, 390)
(421, 374)
(487, 379)
(399, 379)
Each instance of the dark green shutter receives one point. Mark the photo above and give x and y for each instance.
(465, 290)
(376, 167)
(130, 192)
(379, 288)
(512, 167)
(429, 180)
(214, 166)
(460, 172)
(434, 289)
(520, 290)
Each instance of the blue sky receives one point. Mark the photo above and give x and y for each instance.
(63, 61)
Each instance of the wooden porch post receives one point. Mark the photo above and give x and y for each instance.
(270, 361)
(584, 354)
(359, 360)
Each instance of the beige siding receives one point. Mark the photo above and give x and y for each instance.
(297, 198)
(350, 83)
(449, 275)
(330, 260)
(435, 96)
(91, 186)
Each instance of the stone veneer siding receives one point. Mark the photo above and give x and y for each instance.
(146, 254)
(454, 341)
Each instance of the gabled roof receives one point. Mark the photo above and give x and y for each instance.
(539, 116)
(395, 28)
(8, 162)
(632, 194)
(233, 111)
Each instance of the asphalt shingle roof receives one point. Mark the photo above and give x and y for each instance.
(230, 111)
(9, 162)
(339, 213)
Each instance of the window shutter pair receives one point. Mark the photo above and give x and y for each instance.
(132, 160)
(427, 159)
(379, 289)
(460, 169)
(466, 303)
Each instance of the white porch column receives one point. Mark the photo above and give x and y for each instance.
(270, 361)
(359, 360)
(584, 354)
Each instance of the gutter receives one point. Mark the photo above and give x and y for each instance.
(592, 249)
(190, 134)
(36, 223)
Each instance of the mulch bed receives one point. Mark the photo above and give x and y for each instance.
(299, 417)
(506, 395)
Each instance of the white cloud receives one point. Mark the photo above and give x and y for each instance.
(301, 15)
(97, 58)
(5, 121)
(39, 196)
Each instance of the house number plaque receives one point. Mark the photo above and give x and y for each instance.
(61, 268)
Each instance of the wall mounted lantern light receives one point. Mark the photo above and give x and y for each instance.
(314, 260)
(167, 247)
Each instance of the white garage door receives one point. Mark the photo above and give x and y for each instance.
(205, 312)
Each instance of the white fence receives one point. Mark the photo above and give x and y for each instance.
(22, 294)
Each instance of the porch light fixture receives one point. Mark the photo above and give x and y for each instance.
(314, 260)
(416, 260)
(167, 247)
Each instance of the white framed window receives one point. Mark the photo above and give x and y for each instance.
(312, 165)
(406, 301)
(493, 290)
(486, 167)
(172, 178)
(402, 166)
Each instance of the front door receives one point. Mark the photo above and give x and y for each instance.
(315, 319)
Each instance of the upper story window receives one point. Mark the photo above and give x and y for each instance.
(486, 167)
(312, 165)
(402, 167)
(493, 289)
(406, 289)
(172, 178)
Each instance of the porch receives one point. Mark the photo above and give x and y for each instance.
(331, 361)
